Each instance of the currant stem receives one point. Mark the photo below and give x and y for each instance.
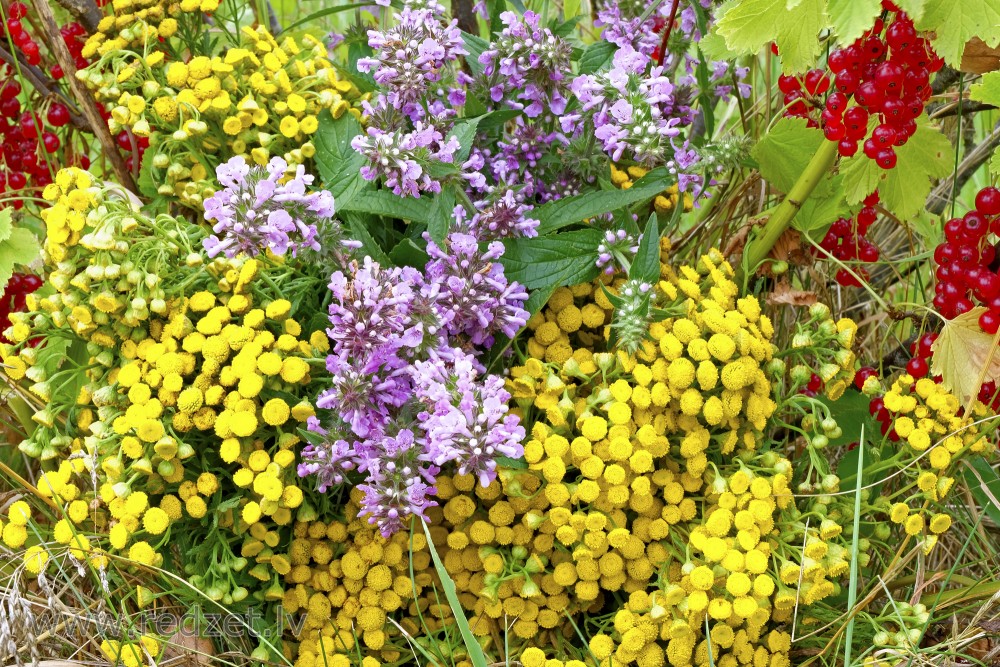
(758, 248)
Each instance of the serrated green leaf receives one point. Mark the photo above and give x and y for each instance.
(903, 189)
(475, 45)
(5, 225)
(597, 56)
(955, 22)
(913, 8)
(21, 247)
(569, 258)
(713, 45)
(646, 265)
(570, 210)
(338, 164)
(784, 152)
(748, 25)
(852, 18)
(987, 89)
(385, 203)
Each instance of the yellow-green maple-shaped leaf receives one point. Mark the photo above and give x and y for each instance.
(960, 354)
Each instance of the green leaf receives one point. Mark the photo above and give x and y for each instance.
(465, 132)
(475, 651)
(955, 22)
(748, 25)
(338, 164)
(597, 56)
(511, 464)
(538, 298)
(408, 253)
(475, 45)
(570, 210)
(6, 228)
(987, 89)
(552, 261)
(442, 214)
(903, 189)
(852, 18)
(359, 230)
(646, 265)
(20, 247)
(363, 80)
(784, 152)
(497, 119)
(990, 480)
(384, 202)
(913, 8)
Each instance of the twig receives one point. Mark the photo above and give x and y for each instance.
(667, 31)
(940, 196)
(42, 84)
(85, 11)
(944, 79)
(86, 100)
(272, 19)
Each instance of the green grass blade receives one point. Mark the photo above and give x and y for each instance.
(852, 591)
(325, 12)
(476, 654)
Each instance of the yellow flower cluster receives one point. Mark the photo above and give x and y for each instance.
(260, 98)
(134, 23)
(931, 426)
(623, 178)
(618, 509)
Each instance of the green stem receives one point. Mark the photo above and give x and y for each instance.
(779, 221)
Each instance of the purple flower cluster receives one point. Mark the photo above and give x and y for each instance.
(499, 217)
(413, 56)
(631, 109)
(407, 396)
(403, 158)
(526, 66)
(255, 211)
(617, 249)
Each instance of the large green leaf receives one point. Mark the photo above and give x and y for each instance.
(903, 189)
(570, 210)
(338, 164)
(597, 56)
(852, 18)
(785, 150)
(385, 203)
(552, 261)
(955, 22)
(794, 25)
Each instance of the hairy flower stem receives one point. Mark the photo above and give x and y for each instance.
(758, 248)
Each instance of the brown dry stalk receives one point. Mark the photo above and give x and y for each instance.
(87, 104)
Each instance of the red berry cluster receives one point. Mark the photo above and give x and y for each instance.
(800, 95)
(14, 296)
(888, 76)
(966, 263)
(27, 140)
(846, 241)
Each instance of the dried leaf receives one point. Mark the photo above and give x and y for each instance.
(736, 242)
(788, 248)
(185, 648)
(783, 294)
(978, 58)
(960, 355)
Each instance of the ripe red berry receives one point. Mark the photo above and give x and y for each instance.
(917, 367)
(988, 201)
